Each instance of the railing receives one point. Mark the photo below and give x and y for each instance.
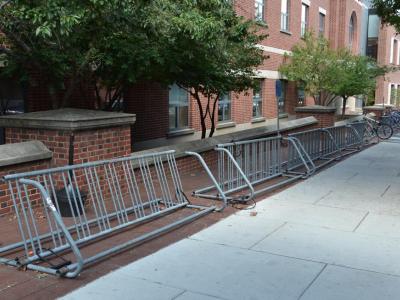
(64, 209)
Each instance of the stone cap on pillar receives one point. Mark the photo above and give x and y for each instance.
(376, 107)
(70, 119)
(313, 109)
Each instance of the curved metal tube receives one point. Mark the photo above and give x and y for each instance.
(58, 219)
(302, 152)
(215, 182)
(248, 183)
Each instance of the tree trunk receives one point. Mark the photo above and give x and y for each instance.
(196, 95)
(344, 106)
(212, 116)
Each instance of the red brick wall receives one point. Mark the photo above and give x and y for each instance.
(149, 101)
(324, 119)
(89, 145)
(5, 197)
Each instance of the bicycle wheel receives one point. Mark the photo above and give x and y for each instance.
(384, 131)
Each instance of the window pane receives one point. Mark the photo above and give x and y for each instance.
(224, 108)
(257, 100)
(321, 24)
(183, 117)
(172, 117)
(304, 19)
(285, 15)
(259, 10)
(178, 108)
(281, 100)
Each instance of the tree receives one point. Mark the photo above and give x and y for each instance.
(354, 75)
(388, 11)
(309, 65)
(327, 74)
(214, 51)
(108, 44)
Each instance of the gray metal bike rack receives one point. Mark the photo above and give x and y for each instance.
(102, 198)
(243, 165)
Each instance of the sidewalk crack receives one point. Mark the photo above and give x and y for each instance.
(269, 234)
(362, 220)
(312, 282)
(384, 192)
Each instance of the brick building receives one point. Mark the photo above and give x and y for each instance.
(383, 45)
(165, 113)
(340, 21)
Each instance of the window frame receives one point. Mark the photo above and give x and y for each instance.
(304, 22)
(257, 5)
(352, 30)
(285, 16)
(176, 105)
(225, 99)
(321, 29)
(257, 100)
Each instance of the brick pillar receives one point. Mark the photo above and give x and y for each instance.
(325, 115)
(378, 110)
(94, 135)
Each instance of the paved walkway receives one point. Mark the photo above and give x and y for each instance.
(333, 236)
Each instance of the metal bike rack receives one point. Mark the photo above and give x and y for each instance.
(319, 144)
(245, 164)
(348, 137)
(101, 199)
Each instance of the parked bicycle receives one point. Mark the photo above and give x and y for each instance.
(376, 128)
(392, 118)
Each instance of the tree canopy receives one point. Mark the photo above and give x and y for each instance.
(201, 45)
(388, 11)
(327, 74)
(215, 52)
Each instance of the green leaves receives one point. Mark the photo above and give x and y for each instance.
(321, 70)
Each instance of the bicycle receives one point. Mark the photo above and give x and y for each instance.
(377, 128)
(393, 118)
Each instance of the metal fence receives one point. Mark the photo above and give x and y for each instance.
(64, 209)
(243, 164)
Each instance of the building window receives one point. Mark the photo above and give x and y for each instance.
(281, 99)
(285, 11)
(395, 51)
(393, 94)
(224, 108)
(301, 96)
(257, 99)
(259, 10)
(352, 30)
(304, 18)
(321, 24)
(178, 108)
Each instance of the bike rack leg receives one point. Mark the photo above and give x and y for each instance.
(211, 176)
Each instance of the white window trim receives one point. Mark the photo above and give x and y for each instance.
(391, 50)
(306, 2)
(322, 11)
(268, 74)
(274, 50)
(398, 53)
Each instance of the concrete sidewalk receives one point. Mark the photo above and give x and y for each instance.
(333, 236)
